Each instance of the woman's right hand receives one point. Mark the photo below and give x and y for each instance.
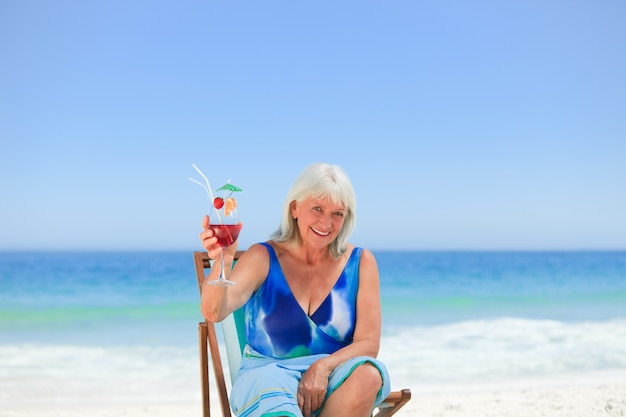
(209, 241)
(207, 236)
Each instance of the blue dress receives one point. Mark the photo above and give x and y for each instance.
(277, 326)
(283, 342)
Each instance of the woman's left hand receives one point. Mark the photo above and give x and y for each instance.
(312, 389)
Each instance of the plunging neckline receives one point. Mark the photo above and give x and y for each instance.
(328, 296)
(277, 325)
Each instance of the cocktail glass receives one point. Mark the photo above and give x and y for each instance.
(224, 219)
(225, 223)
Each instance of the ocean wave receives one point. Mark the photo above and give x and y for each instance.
(88, 374)
(503, 349)
(499, 352)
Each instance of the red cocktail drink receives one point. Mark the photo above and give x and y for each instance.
(226, 234)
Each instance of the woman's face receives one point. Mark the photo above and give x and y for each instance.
(319, 220)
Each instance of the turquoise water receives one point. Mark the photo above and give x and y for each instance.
(78, 295)
(98, 298)
(448, 316)
(444, 287)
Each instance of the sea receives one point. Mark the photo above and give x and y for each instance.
(85, 327)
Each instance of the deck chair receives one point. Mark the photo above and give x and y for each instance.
(234, 341)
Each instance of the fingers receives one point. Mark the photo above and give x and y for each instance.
(207, 234)
(316, 402)
(209, 239)
(304, 402)
(310, 403)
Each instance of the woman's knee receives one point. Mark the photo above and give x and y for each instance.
(368, 377)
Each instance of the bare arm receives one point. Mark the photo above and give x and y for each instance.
(366, 341)
(368, 315)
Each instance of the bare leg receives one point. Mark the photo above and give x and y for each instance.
(356, 395)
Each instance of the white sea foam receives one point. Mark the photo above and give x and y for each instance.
(504, 351)
(467, 354)
(87, 374)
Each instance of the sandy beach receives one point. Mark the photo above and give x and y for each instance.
(576, 400)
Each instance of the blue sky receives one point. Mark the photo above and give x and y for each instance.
(463, 124)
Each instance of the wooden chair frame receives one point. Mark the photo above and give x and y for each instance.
(209, 349)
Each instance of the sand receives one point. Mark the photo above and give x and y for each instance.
(578, 401)
(575, 400)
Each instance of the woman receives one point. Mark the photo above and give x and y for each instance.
(312, 306)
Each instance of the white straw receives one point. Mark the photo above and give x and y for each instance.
(207, 187)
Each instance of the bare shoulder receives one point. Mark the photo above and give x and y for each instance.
(253, 264)
(368, 268)
(255, 256)
(255, 250)
(367, 258)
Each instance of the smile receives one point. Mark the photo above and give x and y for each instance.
(320, 233)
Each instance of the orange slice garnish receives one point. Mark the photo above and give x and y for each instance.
(229, 205)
